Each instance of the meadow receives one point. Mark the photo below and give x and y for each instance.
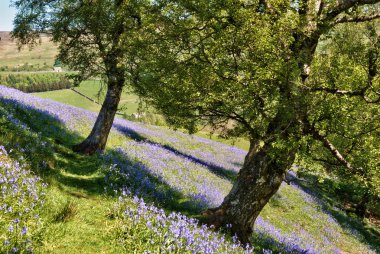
(129, 104)
(144, 193)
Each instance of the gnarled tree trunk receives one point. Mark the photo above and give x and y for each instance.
(97, 139)
(259, 179)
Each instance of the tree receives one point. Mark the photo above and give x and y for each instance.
(349, 58)
(245, 66)
(95, 38)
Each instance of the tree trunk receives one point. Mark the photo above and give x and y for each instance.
(262, 174)
(97, 139)
(361, 208)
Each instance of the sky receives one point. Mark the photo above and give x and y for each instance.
(6, 15)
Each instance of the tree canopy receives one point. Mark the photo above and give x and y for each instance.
(96, 38)
(283, 74)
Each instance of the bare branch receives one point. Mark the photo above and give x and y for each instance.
(347, 19)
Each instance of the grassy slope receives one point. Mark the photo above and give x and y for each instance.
(78, 213)
(129, 105)
(10, 56)
(75, 211)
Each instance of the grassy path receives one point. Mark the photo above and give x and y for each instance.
(78, 215)
(88, 229)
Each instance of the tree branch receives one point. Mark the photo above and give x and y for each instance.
(325, 161)
(337, 91)
(310, 129)
(330, 146)
(320, 8)
(344, 6)
(347, 19)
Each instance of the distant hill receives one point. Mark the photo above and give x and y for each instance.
(40, 55)
(5, 36)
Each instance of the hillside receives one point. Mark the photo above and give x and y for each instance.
(94, 204)
(42, 54)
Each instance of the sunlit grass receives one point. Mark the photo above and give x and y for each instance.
(69, 97)
(80, 217)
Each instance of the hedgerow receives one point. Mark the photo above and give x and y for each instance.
(35, 82)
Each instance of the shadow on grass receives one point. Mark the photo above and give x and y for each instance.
(79, 175)
(215, 169)
(353, 225)
(137, 178)
(54, 161)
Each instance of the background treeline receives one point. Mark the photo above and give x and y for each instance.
(36, 82)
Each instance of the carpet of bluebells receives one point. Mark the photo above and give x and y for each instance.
(157, 164)
(22, 194)
(171, 233)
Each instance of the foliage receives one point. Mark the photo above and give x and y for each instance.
(35, 82)
(346, 61)
(254, 69)
(216, 63)
(90, 37)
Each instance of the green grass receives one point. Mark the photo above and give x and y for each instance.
(69, 97)
(76, 212)
(78, 215)
(238, 142)
(96, 89)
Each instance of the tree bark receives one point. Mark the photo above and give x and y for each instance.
(97, 139)
(259, 179)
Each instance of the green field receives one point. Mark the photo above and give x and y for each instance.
(70, 97)
(93, 89)
(96, 90)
